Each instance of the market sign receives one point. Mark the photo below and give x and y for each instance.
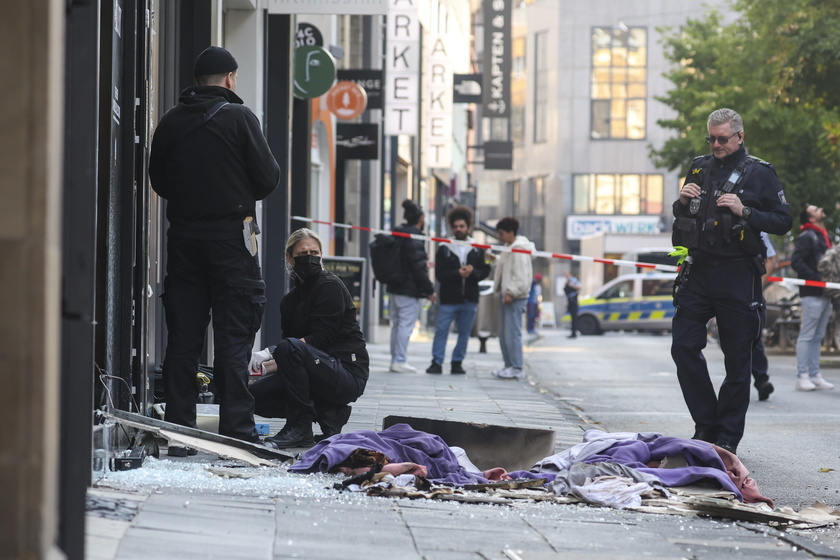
(402, 69)
(437, 137)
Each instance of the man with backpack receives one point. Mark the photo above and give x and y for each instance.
(458, 270)
(809, 247)
(407, 288)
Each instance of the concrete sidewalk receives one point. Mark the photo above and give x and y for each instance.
(292, 516)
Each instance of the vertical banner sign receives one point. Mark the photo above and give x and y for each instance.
(437, 133)
(497, 58)
(402, 68)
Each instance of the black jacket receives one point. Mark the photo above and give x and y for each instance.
(453, 288)
(760, 190)
(213, 177)
(416, 282)
(321, 311)
(808, 249)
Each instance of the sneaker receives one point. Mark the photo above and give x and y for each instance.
(298, 435)
(457, 368)
(434, 368)
(402, 367)
(180, 451)
(764, 390)
(804, 383)
(499, 372)
(820, 383)
(510, 373)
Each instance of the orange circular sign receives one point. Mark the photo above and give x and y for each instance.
(347, 100)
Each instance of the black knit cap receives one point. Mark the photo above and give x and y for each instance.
(214, 60)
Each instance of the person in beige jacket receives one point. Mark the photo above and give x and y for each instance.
(512, 283)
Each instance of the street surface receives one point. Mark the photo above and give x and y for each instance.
(628, 382)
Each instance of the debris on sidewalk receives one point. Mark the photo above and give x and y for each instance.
(250, 453)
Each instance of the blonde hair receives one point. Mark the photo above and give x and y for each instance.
(300, 235)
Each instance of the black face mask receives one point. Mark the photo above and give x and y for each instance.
(307, 266)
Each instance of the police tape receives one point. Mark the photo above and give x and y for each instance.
(550, 255)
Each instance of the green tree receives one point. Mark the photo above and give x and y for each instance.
(778, 65)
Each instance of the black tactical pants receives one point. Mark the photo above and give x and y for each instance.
(731, 292)
(222, 277)
(306, 378)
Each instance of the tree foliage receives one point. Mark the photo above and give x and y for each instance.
(778, 65)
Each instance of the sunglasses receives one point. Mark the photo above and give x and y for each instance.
(720, 139)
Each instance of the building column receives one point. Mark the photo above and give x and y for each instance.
(30, 274)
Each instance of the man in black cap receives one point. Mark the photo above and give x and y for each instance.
(211, 162)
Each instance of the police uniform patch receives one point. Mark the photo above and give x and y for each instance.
(782, 198)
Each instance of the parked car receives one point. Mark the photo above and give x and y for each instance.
(641, 302)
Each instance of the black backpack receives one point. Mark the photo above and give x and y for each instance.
(386, 258)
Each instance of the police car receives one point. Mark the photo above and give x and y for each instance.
(642, 301)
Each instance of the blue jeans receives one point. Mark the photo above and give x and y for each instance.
(510, 331)
(816, 311)
(404, 311)
(464, 316)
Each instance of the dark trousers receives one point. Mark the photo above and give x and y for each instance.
(306, 378)
(572, 310)
(732, 293)
(760, 365)
(222, 277)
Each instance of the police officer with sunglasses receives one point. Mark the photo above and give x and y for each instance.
(727, 200)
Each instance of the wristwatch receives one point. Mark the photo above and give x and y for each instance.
(746, 213)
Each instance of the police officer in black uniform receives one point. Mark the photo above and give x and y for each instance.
(728, 198)
(211, 162)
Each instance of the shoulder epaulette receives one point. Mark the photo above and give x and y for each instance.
(761, 161)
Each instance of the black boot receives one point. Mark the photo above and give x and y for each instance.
(434, 368)
(457, 368)
(296, 434)
(331, 418)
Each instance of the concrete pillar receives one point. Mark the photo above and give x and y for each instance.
(32, 43)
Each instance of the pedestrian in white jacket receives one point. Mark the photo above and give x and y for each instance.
(512, 282)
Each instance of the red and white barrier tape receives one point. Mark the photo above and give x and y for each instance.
(549, 255)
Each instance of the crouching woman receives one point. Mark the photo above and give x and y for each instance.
(321, 364)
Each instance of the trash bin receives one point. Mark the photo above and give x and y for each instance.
(487, 319)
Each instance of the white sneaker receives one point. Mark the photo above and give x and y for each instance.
(510, 373)
(820, 383)
(402, 367)
(804, 383)
(499, 372)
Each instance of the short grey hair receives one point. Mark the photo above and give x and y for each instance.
(300, 235)
(723, 116)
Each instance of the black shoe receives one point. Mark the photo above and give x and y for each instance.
(764, 390)
(297, 435)
(180, 451)
(434, 368)
(572, 336)
(457, 368)
(728, 445)
(332, 418)
(704, 435)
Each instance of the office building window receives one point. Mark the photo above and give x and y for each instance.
(540, 86)
(619, 82)
(618, 194)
